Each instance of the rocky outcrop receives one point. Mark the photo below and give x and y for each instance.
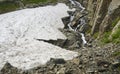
(102, 13)
(112, 15)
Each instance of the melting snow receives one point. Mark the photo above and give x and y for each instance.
(20, 29)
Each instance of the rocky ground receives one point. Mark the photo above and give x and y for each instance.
(91, 60)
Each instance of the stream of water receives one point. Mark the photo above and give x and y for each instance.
(82, 21)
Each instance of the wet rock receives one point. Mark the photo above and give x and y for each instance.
(66, 21)
(9, 69)
(89, 45)
(77, 15)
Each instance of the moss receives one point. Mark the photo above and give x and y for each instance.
(8, 6)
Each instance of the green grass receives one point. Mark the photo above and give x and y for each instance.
(105, 38)
(116, 37)
(96, 35)
(116, 54)
(8, 6)
(115, 21)
(38, 1)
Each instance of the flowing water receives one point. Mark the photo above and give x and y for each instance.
(82, 21)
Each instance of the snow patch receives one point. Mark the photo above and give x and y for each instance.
(20, 29)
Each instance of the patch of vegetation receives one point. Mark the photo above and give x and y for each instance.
(37, 1)
(105, 38)
(116, 37)
(115, 21)
(8, 6)
(96, 35)
(116, 54)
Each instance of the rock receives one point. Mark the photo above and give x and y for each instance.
(105, 64)
(73, 39)
(108, 21)
(57, 61)
(76, 61)
(9, 69)
(77, 15)
(116, 64)
(91, 71)
(66, 21)
(89, 45)
(71, 13)
(100, 12)
(61, 71)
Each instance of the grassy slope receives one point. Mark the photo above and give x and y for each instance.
(8, 6)
(12, 6)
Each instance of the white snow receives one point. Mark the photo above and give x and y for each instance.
(20, 29)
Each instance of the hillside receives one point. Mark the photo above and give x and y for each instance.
(60, 36)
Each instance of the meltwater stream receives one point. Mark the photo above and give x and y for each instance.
(77, 5)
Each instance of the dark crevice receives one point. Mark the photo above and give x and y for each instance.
(59, 42)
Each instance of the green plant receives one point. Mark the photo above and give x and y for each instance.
(105, 38)
(96, 35)
(8, 6)
(115, 21)
(116, 37)
(37, 1)
(116, 54)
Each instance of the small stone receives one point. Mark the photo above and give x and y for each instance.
(76, 61)
(80, 67)
(90, 71)
(103, 63)
(61, 71)
(116, 64)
